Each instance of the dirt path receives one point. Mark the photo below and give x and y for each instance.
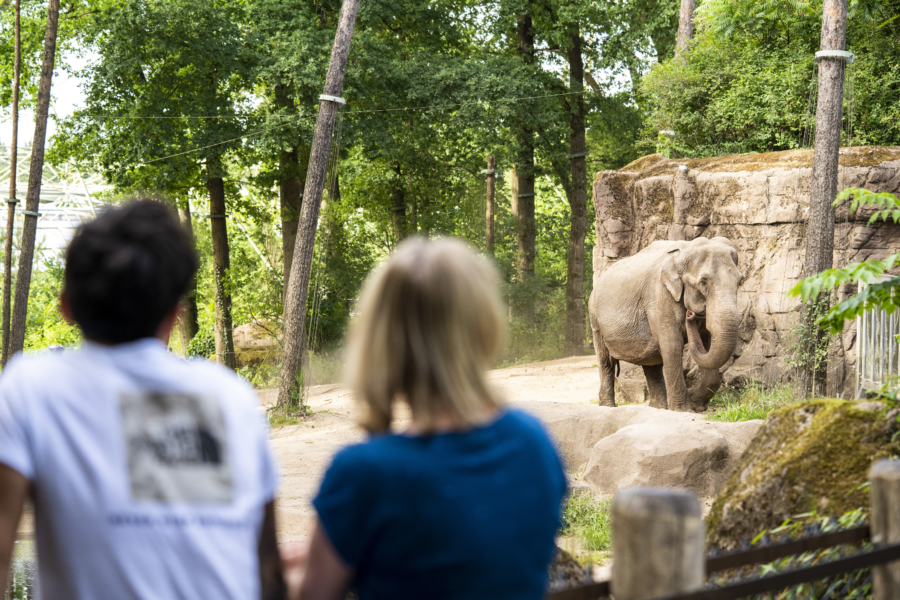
(304, 451)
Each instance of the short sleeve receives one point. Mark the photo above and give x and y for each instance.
(345, 507)
(15, 446)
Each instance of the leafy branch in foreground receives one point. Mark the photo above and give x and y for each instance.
(877, 294)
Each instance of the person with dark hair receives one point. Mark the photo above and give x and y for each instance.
(150, 476)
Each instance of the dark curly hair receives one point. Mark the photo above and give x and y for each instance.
(126, 270)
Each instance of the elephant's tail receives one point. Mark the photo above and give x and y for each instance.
(615, 362)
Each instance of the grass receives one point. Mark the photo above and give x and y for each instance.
(752, 402)
(587, 520)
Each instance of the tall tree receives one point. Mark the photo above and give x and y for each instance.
(189, 321)
(685, 26)
(289, 391)
(215, 186)
(525, 168)
(291, 41)
(35, 176)
(163, 111)
(577, 197)
(820, 229)
(11, 206)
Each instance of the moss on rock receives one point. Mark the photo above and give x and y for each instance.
(807, 457)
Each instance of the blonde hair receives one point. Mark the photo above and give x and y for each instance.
(430, 324)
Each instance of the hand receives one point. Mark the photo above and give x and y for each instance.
(294, 559)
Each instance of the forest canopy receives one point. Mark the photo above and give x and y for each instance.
(199, 103)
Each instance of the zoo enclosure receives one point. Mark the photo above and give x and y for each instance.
(877, 350)
(658, 545)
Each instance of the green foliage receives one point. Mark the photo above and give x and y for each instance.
(588, 519)
(45, 325)
(807, 347)
(876, 294)
(203, 345)
(748, 82)
(754, 401)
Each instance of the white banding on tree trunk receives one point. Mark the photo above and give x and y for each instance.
(847, 56)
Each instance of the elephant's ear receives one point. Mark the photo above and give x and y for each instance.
(670, 277)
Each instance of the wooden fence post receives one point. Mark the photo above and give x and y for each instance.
(884, 477)
(658, 545)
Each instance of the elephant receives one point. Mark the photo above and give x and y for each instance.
(645, 308)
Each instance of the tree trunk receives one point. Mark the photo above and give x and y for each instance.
(577, 196)
(290, 393)
(820, 230)
(290, 193)
(489, 206)
(188, 325)
(221, 263)
(526, 230)
(35, 175)
(11, 205)
(685, 26)
(398, 206)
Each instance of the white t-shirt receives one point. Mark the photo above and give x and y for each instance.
(150, 473)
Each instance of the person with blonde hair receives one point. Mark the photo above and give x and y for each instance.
(465, 502)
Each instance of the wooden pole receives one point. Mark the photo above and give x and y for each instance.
(289, 392)
(884, 494)
(11, 205)
(685, 26)
(490, 181)
(820, 228)
(657, 542)
(35, 175)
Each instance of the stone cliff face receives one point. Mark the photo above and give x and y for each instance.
(761, 203)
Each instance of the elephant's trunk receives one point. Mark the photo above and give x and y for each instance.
(722, 323)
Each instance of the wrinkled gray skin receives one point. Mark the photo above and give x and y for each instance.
(646, 307)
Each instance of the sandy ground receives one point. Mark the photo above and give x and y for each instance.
(304, 451)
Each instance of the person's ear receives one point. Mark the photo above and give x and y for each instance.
(670, 276)
(168, 324)
(65, 308)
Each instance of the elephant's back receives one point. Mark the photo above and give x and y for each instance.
(633, 273)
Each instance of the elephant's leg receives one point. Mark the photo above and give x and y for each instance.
(607, 371)
(707, 385)
(671, 347)
(656, 385)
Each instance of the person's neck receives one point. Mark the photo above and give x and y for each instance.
(448, 423)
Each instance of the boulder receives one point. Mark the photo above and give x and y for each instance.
(692, 456)
(697, 455)
(807, 457)
(639, 445)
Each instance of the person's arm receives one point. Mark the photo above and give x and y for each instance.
(271, 579)
(14, 489)
(316, 572)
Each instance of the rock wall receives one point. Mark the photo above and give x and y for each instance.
(761, 203)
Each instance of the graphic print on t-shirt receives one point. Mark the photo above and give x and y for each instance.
(177, 448)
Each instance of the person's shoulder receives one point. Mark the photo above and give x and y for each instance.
(524, 422)
(36, 368)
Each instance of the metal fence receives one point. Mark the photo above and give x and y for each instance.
(877, 350)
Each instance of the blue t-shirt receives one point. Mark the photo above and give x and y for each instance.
(458, 515)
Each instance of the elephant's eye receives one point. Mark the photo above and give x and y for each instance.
(704, 285)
